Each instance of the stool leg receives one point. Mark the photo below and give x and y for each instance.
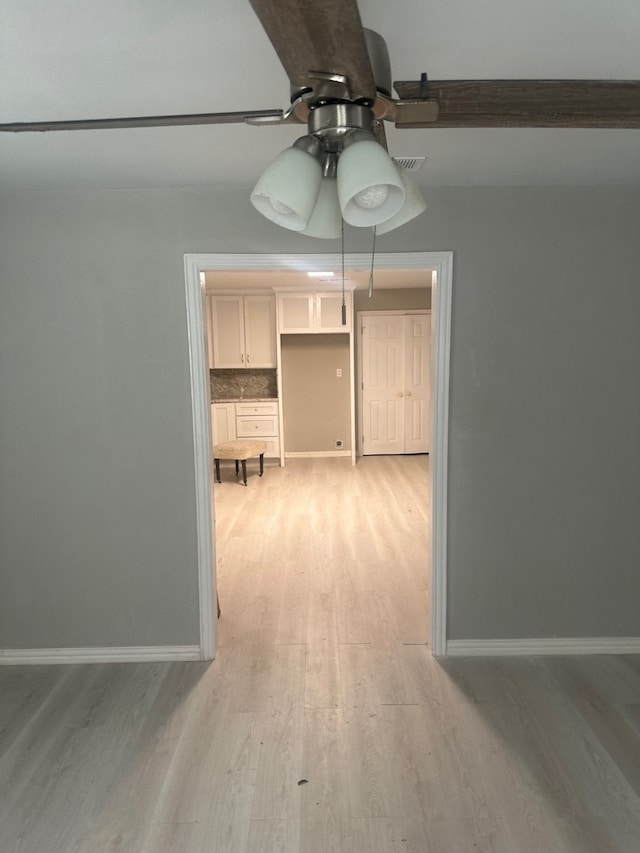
(261, 464)
(237, 467)
(244, 471)
(216, 462)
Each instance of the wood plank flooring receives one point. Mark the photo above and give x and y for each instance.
(324, 725)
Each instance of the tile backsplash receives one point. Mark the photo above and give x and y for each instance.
(243, 382)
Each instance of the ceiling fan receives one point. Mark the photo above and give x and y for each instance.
(341, 89)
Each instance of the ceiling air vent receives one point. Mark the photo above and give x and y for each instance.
(410, 164)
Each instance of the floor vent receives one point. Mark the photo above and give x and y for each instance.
(410, 164)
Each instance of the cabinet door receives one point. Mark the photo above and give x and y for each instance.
(259, 331)
(227, 329)
(329, 312)
(223, 422)
(295, 312)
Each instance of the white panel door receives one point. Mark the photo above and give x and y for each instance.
(383, 384)
(417, 360)
(396, 383)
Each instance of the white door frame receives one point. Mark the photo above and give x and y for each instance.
(442, 264)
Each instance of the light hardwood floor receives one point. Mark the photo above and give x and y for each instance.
(324, 725)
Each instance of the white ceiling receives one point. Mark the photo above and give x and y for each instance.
(73, 59)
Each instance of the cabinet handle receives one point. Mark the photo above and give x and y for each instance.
(248, 359)
(409, 393)
(242, 358)
(400, 394)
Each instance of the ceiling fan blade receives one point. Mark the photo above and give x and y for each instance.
(319, 36)
(248, 116)
(524, 103)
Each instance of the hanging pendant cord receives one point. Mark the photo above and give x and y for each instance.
(344, 306)
(373, 255)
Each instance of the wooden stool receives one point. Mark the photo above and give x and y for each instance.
(239, 451)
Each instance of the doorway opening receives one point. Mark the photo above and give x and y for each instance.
(195, 266)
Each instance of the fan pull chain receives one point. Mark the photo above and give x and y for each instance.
(373, 255)
(344, 304)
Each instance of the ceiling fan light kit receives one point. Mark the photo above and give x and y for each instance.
(287, 191)
(369, 186)
(414, 205)
(361, 183)
(325, 219)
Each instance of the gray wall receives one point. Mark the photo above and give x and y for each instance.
(97, 533)
(316, 403)
(545, 413)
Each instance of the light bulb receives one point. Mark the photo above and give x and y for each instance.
(280, 207)
(287, 190)
(372, 197)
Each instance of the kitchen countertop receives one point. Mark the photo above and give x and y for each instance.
(245, 400)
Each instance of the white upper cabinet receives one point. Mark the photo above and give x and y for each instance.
(227, 331)
(295, 312)
(300, 313)
(260, 331)
(242, 331)
(329, 312)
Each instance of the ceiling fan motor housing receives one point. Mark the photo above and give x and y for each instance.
(332, 123)
(329, 86)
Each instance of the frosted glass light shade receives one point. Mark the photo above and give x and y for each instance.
(414, 205)
(287, 191)
(326, 219)
(369, 186)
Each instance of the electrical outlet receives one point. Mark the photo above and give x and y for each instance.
(339, 372)
(338, 442)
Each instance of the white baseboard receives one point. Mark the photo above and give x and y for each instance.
(313, 453)
(117, 654)
(545, 646)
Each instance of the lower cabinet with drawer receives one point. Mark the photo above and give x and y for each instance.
(250, 419)
(259, 420)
